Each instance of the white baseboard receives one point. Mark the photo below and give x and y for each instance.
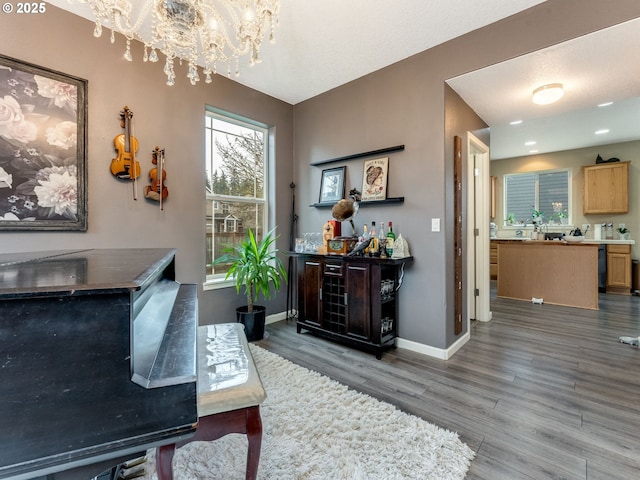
(277, 317)
(440, 353)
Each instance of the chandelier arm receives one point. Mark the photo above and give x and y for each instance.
(200, 32)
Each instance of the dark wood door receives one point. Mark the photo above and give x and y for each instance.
(457, 236)
(310, 309)
(359, 302)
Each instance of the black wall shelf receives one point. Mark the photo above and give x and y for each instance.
(397, 148)
(387, 201)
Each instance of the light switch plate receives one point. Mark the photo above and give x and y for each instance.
(435, 224)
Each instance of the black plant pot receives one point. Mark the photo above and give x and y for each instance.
(253, 322)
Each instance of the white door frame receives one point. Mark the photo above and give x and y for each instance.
(478, 242)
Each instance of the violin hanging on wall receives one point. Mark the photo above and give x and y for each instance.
(157, 191)
(125, 166)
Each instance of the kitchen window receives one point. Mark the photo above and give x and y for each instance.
(547, 192)
(236, 158)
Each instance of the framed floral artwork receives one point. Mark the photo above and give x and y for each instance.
(43, 125)
(374, 179)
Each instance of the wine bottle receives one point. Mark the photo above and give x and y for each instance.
(391, 238)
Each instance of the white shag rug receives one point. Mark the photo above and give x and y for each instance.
(315, 428)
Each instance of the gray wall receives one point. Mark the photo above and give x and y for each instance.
(401, 104)
(405, 104)
(171, 117)
(459, 119)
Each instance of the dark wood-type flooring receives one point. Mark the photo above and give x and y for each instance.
(540, 391)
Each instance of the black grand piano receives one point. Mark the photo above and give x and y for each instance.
(97, 360)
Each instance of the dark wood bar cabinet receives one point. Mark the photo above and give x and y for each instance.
(350, 299)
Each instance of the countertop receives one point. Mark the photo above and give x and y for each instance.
(588, 240)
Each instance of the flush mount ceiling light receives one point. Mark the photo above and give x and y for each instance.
(547, 94)
(200, 32)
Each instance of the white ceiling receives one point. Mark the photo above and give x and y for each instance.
(321, 45)
(594, 69)
(326, 43)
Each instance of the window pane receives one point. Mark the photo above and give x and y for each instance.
(520, 195)
(553, 194)
(547, 192)
(235, 160)
(227, 225)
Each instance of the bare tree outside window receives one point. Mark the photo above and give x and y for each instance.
(235, 185)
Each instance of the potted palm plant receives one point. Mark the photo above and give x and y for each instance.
(256, 266)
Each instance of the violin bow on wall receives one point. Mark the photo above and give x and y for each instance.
(125, 166)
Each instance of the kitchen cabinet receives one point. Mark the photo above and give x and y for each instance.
(353, 300)
(606, 188)
(493, 260)
(619, 266)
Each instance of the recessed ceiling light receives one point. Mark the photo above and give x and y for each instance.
(534, 151)
(547, 94)
(605, 104)
(602, 132)
(529, 143)
(515, 122)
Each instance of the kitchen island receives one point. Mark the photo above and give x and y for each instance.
(558, 272)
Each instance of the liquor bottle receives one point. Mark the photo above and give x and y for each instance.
(365, 234)
(391, 238)
(372, 250)
(382, 240)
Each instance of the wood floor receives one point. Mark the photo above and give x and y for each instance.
(539, 392)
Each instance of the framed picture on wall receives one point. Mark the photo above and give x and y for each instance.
(374, 179)
(43, 128)
(332, 185)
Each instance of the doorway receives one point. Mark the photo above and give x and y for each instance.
(478, 242)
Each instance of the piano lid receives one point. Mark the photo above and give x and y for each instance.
(68, 271)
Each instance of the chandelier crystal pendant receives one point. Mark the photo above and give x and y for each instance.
(200, 32)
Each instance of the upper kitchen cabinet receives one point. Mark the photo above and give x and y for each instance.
(606, 188)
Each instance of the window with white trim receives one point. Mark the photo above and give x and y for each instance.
(547, 192)
(236, 158)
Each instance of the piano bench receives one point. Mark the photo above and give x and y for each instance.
(229, 395)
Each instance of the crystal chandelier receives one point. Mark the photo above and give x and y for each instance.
(201, 32)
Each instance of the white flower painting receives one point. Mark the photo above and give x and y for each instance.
(42, 148)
